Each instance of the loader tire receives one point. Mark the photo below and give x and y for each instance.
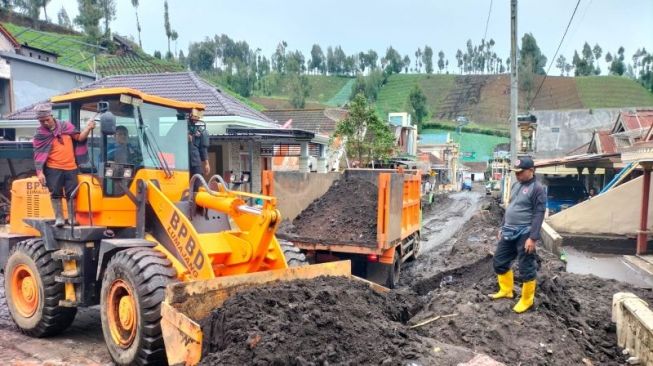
(130, 306)
(31, 291)
(294, 256)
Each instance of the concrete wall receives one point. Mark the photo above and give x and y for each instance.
(634, 321)
(574, 127)
(295, 190)
(33, 82)
(615, 212)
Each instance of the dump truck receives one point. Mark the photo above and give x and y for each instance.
(152, 252)
(398, 225)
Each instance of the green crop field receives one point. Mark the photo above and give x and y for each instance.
(612, 92)
(394, 94)
(74, 53)
(322, 87)
(481, 145)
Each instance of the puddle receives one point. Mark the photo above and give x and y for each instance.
(610, 266)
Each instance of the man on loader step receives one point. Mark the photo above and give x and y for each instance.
(58, 149)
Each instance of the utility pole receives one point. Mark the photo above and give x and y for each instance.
(514, 84)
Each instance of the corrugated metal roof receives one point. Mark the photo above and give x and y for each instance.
(183, 86)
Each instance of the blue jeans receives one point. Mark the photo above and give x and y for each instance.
(508, 250)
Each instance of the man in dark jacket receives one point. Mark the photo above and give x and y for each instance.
(198, 149)
(519, 233)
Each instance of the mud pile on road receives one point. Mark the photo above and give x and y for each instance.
(345, 213)
(570, 323)
(328, 320)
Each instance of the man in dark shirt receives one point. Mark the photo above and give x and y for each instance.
(198, 149)
(519, 233)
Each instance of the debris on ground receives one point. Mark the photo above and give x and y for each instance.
(347, 212)
(328, 320)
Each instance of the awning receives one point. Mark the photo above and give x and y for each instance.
(583, 161)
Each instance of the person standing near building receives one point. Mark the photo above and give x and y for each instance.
(198, 149)
(58, 149)
(519, 233)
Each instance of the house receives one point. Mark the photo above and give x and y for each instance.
(29, 74)
(446, 150)
(322, 122)
(243, 141)
(632, 127)
(474, 171)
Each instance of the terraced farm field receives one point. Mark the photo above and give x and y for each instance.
(612, 92)
(322, 87)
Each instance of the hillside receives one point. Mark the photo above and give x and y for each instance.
(483, 99)
(324, 90)
(74, 53)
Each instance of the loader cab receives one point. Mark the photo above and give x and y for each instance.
(137, 136)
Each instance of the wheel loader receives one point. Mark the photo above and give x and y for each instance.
(154, 253)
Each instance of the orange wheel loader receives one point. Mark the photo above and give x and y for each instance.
(153, 253)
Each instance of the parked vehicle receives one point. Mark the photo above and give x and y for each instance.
(467, 184)
(564, 193)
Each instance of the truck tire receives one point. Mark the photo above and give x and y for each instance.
(32, 293)
(294, 256)
(417, 245)
(133, 287)
(395, 270)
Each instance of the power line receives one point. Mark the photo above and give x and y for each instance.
(487, 22)
(554, 56)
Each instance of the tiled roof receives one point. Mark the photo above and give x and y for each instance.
(183, 86)
(319, 121)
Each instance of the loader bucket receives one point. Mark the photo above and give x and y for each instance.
(186, 303)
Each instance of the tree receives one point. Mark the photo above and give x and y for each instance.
(440, 61)
(295, 62)
(138, 22)
(393, 60)
(418, 60)
(279, 57)
(530, 54)
(427, 59)
(30, 8)
(339, 58)
(299, 90)
(108, 8)
(201, 55)
(157, 54)
(597, 51)
(365, 136)
(459, 58)
(44, 5)
(608, 58)
(317, 58)
(331, 61)
(561, 62)
(406, 63)
(417, 101)
(88, 19)
(617, 67)
(166, 23)
(174, 36)
(63, 19)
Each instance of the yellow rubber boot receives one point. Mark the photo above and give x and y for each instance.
(506, 282)
(527, 297)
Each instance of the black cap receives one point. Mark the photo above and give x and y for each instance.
(523, 163)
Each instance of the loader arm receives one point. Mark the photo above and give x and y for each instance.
(250, 247)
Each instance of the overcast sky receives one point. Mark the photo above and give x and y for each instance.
(359, 25)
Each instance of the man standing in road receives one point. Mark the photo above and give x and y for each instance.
(519, 233)
(58, 149)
